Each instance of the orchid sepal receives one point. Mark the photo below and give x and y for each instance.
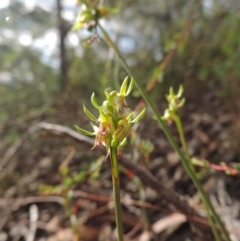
(139, 117)
(89, 114)
(94, 102)
(84, 132)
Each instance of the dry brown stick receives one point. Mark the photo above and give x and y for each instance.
(57, 129)
(33, 214)
(30, 200)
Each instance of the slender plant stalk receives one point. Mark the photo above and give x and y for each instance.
(212, 224)
(116, 191)
(170, 138)
(182, 136)
(185, 148)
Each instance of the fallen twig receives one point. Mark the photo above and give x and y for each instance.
(56, 129)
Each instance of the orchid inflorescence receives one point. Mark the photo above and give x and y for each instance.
(174, 103)
(89, 15)
(115, 118)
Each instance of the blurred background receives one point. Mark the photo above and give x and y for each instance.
(46, 75)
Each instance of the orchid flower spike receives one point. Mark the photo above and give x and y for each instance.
(113, 125)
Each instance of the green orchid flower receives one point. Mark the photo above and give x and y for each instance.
(174, 103)
(89, 15)
(113, 126)
(174, 100)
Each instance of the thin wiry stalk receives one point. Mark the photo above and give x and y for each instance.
(116, 191)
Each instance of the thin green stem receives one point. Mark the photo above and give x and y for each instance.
(212, 224)
(170, 138)
(181, 134)
(179, 125)
(116, 191)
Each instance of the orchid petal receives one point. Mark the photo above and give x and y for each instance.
(124, 87)
(89, 114)
(130, 115)
(84, 132)
(95, 128)
(140, 116)
(130, 87)
(94, 102)
(123, 142)
(182, 102)
(180, 91)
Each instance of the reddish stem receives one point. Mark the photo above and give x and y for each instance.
(222, 168)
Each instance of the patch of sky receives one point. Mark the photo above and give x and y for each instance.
(70, 10)
(126, 44)
(5, 77)
(73, 39)
(68, 7)
(158, 55)
(48, 46)
(48, 42)
(29, 4)
(25, 39)
(8, 33)
(109, 28)
(4, 3)
(69, 15)
(208, 6)
(44, 4)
